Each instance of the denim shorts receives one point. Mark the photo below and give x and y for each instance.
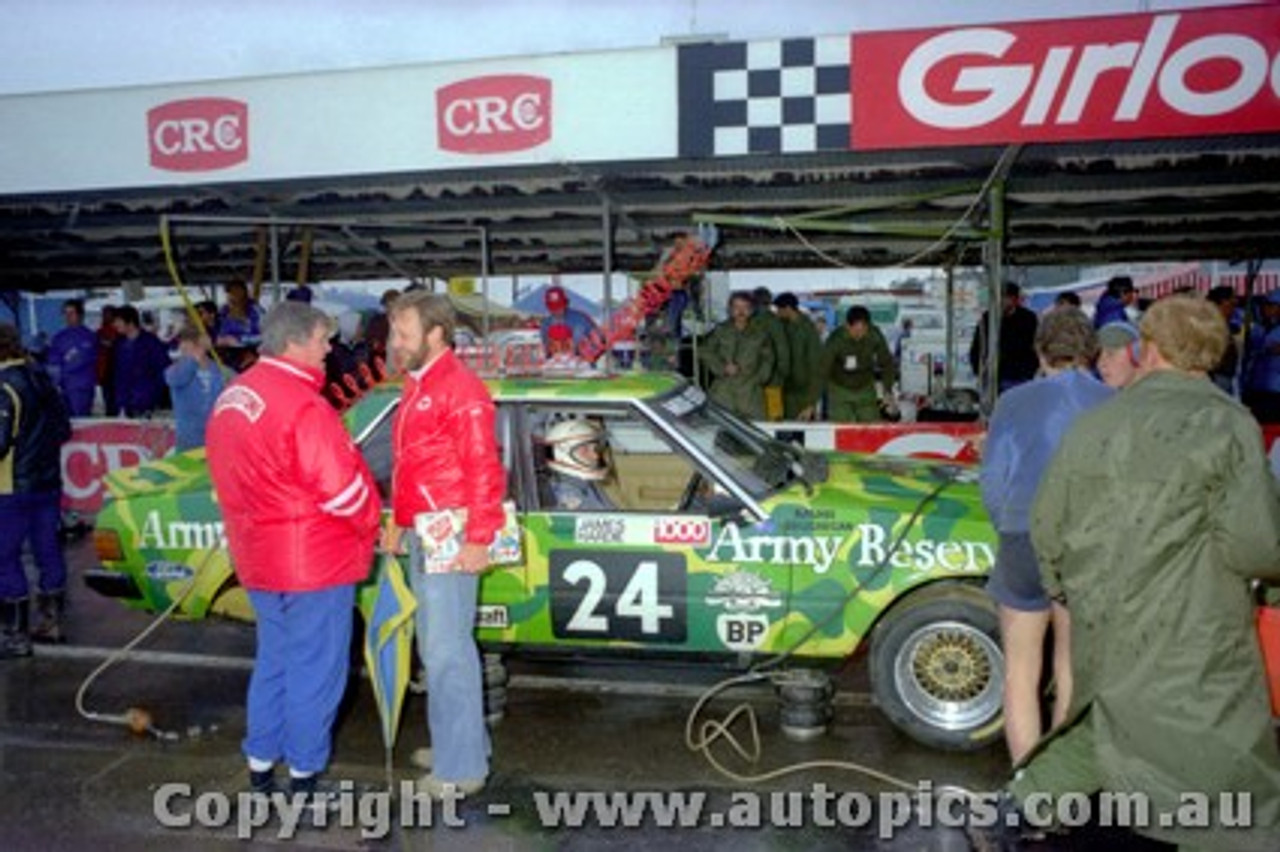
(1015, 579)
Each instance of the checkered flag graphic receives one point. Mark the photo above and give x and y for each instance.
(764, 97)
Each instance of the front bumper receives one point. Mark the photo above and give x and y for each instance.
(112, 584)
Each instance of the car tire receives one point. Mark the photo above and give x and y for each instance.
(937, 670)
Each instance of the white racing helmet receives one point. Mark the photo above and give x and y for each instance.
(567, 439)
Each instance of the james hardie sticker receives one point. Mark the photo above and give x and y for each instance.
(613, 529)
(742, 626)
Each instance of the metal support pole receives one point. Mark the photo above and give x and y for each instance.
(949, 360)
(606, 222)
(995, 295)
(484, 277)
(275, 259)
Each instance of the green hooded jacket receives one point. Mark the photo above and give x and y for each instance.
(752, 351)
(773, 327)
(802, 384)
(1157, 511)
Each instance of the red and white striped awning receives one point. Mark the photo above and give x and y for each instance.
(1196, 280)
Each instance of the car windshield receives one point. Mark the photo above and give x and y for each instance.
(760, 463)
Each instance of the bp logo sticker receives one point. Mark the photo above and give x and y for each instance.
(744, 597)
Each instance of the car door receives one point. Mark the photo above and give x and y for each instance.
(634, 574)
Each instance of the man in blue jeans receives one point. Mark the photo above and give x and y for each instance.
(33, 427)
(446, 461)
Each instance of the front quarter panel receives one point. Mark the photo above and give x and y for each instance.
(851, 525)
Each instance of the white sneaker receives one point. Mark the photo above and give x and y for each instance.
(422, 757)
(439, 789)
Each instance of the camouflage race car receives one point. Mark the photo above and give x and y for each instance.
(723, 543)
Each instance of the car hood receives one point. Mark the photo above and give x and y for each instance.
(897, 485)
(180, 473)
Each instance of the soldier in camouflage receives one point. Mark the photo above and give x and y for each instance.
(740, 358)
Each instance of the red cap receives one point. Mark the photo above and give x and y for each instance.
(556, 299)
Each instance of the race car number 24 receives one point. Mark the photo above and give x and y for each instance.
(638, 597)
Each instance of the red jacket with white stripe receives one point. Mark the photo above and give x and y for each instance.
(300, 506)
(445, 449)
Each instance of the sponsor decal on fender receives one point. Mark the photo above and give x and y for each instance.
(742, 626)
(494, 114)
(198, 134)
(871, 548)
(180, 535)
(694, 531)
(612, 529)
(493, 616)
(1198, 72)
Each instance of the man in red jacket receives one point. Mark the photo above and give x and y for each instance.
(446, 458)
(301, 512)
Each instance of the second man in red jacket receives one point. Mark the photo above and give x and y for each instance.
(446, 459)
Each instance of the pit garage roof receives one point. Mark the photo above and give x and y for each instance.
(1065, 204)
(397, 198)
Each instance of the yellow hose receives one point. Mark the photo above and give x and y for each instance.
(166, 245)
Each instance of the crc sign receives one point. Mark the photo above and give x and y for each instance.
(198, 134)
(494, 114)
(98, 447)
(1192, 73)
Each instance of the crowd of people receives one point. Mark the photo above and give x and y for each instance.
(1133, 512)
(1248, 370)
(769, 361)
(124, 368)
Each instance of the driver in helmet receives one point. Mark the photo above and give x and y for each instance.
(578, 463)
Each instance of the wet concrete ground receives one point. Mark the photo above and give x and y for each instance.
(67, 783)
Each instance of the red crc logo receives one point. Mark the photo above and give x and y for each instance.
(1202, 72)
(495, 114)
(682, 531)
(198, 134)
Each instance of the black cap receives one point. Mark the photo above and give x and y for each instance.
(786, 300)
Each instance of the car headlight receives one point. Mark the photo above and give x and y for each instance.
(107, 545)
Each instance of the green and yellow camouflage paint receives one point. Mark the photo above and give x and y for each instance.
(818, 563)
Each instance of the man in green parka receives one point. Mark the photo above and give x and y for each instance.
(801, 384)
(1152, 519)
(780, 340)
(854, 358)
(739, 357)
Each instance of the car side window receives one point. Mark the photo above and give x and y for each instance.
(639, 470)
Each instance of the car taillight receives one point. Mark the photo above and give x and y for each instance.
(107, 545)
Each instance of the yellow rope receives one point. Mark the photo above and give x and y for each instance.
(166, 244)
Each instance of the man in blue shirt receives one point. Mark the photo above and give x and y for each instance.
(1026, 428)
(194, 383)
(73, 360)
(1114, 304)
(140, 361)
